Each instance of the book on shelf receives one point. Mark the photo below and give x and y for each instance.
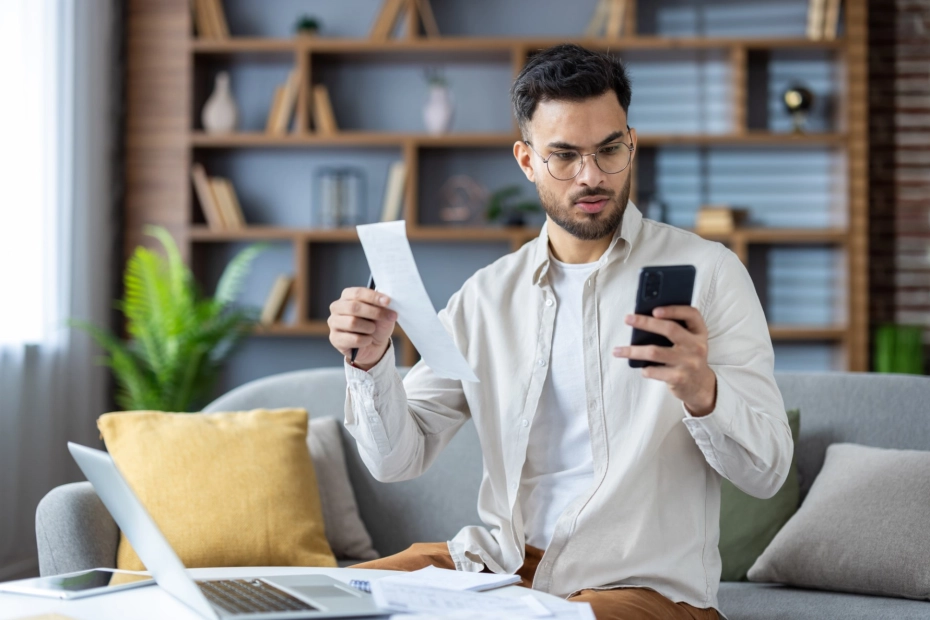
(719, 219)
(205, 194)
(394, 192)
(276, 300)
(210, 20)
(277, 102)
(823, 19)
(815, 11)
(323, 118)
(425, 9)
(609, 19)
(228, 202)
(831, 19)
(282, 108)
(384, 24)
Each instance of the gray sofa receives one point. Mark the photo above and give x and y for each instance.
(74, 530)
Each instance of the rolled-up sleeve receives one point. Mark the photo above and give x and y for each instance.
(401, 425)
(746, 438)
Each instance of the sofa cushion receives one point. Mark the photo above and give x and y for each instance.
(770, 601)
(226, 489)
(862, 528)
(345, 531)
(748, 524)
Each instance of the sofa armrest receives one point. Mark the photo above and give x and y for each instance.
(74, 530)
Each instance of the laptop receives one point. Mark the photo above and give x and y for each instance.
(257, 598)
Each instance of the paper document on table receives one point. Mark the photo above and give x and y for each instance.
(399, 596)
(395, 273)
(454, 579)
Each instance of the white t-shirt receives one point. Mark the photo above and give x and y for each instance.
(559, 464)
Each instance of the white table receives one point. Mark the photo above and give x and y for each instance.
(151, 602)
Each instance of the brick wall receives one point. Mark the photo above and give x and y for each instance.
(899, 170)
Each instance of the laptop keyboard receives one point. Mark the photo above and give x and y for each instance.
(241, 596)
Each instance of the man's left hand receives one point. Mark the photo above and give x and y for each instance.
(685, 371)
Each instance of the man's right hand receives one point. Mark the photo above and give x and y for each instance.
(360, 319)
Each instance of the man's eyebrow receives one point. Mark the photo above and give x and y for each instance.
(611, 138)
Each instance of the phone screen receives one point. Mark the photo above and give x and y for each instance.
(87, 581)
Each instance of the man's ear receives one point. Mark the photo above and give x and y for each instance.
(633, 140)
(523, 155)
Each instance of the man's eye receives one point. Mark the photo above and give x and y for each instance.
(610, 150)
(565, 155)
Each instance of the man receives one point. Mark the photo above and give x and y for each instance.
(601, 482)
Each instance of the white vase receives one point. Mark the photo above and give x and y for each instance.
(220, 114)
(438, 111)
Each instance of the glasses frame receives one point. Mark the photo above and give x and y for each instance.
(583, 155)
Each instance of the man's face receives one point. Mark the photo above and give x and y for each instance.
(590, 206)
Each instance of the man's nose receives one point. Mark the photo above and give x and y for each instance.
(590, 174)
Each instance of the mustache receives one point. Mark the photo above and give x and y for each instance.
(592, 191)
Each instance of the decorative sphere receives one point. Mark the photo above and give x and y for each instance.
(798, 99)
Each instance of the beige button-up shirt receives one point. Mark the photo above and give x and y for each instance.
(651, 517)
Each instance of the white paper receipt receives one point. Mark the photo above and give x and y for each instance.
(395, 272)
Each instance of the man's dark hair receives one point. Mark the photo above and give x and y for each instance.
(567, 72)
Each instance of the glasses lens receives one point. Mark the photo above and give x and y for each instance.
(564, 165)
(613, 158)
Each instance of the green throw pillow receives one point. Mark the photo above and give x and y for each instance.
(748, 524)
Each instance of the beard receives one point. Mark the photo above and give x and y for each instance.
(587, 226)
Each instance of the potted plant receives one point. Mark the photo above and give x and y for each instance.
(178, 339)
(308, 26)
(506, 205)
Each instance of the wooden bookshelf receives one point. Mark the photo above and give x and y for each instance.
(161, 143)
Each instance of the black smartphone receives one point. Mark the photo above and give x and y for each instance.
(672, 285)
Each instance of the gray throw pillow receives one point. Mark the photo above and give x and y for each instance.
(864, 527)
(345, 530)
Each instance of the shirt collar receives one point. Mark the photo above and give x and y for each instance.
(628, 231)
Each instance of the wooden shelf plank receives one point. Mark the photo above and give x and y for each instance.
(201, 233)
(485, 45)
(250, 233)
(784, 236)
(796, 333)
(199, 139)
(304, 328)
(749, 138)
(780, 236)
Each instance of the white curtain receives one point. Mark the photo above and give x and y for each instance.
(57, 138)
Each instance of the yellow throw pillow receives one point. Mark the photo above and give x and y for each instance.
(226, 489)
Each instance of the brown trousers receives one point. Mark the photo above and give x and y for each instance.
(616, 604)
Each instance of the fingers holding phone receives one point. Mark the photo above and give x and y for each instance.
(361, 319)
(669, 339)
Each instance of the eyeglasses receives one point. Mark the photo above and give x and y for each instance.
(566, 164)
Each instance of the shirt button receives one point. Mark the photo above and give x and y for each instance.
(542, 362)
(525, 422)
(514, 486)
(549, 302)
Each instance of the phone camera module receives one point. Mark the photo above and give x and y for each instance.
(652, 285)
